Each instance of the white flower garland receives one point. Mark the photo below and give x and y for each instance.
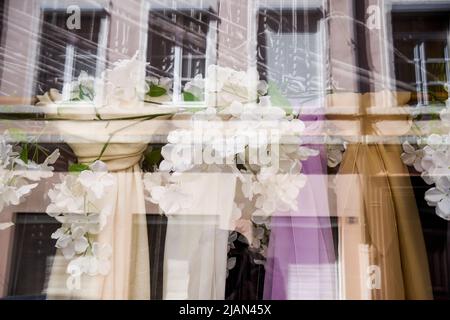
(238, 100)
(81, 203)
(19, 175)
(431, 158)
(235, 99)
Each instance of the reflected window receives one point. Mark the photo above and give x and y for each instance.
(32, 255)
(290, 50)
(65, 53)
(2, 29)
(2, 19)
(421, 60)
(181, 44)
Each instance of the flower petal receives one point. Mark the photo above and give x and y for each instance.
(434, 196)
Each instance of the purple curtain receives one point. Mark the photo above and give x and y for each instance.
(301, 256)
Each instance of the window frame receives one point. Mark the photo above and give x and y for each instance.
(211, 41)
(44, 6)
(322, 30)
(387, 32)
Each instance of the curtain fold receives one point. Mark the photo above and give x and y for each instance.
(126, 228)
(381, 244)
(301, 258)
(195, 257)
(126, 232)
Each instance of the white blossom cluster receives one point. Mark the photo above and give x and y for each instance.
(80, 203)
(431, 157)
(238, 132)
(223, 86)
(123, 86)
(19, 176)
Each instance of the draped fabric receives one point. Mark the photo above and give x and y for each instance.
(381, 242)
(195, 259)
(126, 228)
(195, 256)
(301, 258)
(125, 231)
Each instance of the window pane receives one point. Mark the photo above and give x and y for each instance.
(289, 51)
(65, 53)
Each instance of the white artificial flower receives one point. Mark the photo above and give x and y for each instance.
(427, 177)
(166, 191)
(171, 198)
(12, 195)
(268, 111)
(277, 192)
(102, 252)
(445, 116)
(97, 263)
(78, 203)
(216, 77)
(427, 162)
(177, 157)
(179, 136)
(412, 157)
(263, 111)
(165, 83)
(6, 152)
(294, 126)
(86, 80)
(440, 159)
(236, 109)
(196, 87)
(154, 179)
(16, 175)
(206, 115)
(82, 88)
(97, 180)
(71, 242)
(124, 84)
(66, 197)
(91, 223)
(439, 197)
(438, 142)
(224, 86)
(12, 187)
(237, 97)
(36, 171)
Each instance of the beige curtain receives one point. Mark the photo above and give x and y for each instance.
(381, 246)
(195, 256)
(126, 229)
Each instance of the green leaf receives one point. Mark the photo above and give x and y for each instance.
(277, 98)
(78, 167)
(156, 91)
(153, 157)
(24, 153)
(80, 88)
(187, 96)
